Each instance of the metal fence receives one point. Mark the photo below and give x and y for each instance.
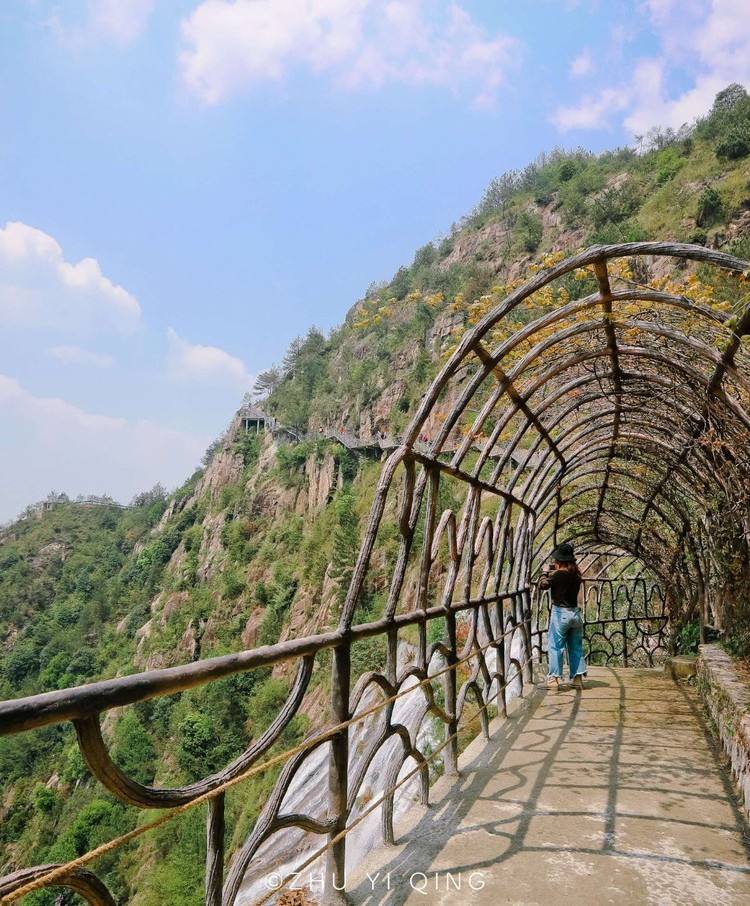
(625, 621)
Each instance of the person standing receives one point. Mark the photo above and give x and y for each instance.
(566, 620)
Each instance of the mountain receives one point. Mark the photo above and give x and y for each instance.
(258, 544)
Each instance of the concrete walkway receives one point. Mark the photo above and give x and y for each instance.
(613, 796)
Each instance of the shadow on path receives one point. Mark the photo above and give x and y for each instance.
(613, 796)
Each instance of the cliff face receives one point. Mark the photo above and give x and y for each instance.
(255, 494)
(249, 550)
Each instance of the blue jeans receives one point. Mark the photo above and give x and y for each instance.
(565, 631)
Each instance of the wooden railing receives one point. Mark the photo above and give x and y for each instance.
(494, 658)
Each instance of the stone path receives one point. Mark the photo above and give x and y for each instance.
(613, 796)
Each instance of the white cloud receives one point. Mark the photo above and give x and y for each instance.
(74, 355)
(39, 288)
(592, 112)
(118, 21)
(706, 40)
(53, 444)
(582, 65)
(188, 361)
(233, 45)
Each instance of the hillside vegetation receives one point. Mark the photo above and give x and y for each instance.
(258, 544)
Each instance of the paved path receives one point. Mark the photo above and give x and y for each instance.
(613, 796)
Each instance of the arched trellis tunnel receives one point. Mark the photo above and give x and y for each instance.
(618, 420)
(605, 401)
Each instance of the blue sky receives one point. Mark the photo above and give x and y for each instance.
(185, 186)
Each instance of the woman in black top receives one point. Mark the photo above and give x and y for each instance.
(566, 619)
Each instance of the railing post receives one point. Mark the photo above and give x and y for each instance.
(450, 752)
(536, 617)
(215, 850)
(526, 616)
(625, 643)
(338, 764)
(502, 706)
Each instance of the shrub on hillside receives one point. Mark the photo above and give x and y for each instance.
(669, 163)
(612, 233)
(233, 584)
(133, 749)
(568, 169)
(710, 207)
(614, 205)
(735, 144)
(728, 123)
(530, 230)
(575, 193)
(737, 640)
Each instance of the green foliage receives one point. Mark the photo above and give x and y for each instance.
(64, 670)
(280, 596)
(740, 247)
(248, 446)
(737, 641)
(575, 194)
(735, 144)
(710, 207)
(239, 537)
(192, 538)
(133, 749)
(345, 542)
(233, 583)
(425, 256)
(568, 170)
(368, 654)
(614, 205)
(45, 800)
(609, 233)
(230, 496)
(436, 631)
(21, 662)
(197, 742)
(95, 823)
(346, 462)
(303, 374)
(530, 230)
(176, 878)
(669, 162)
(267, 382)
(730, 108)
(687, 638)
(74, 767)
(147, 568)
(291, 459)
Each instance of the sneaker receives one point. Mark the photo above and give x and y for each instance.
(578, 682)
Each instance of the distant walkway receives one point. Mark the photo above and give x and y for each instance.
(616, 796)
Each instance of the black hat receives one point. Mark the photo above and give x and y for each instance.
(563, 553)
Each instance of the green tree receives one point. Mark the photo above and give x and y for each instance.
(531, 230)
(197, 741)
(710, 207)
(735, 144)
(345, 542)
(133, 749)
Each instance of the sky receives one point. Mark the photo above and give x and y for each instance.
(187, 185)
